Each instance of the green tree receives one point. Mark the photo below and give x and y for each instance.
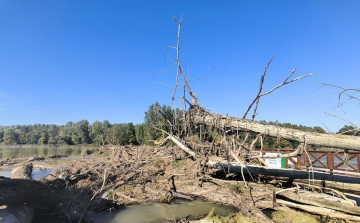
(349, 130)
(43, 138)
(140, 133)
(81, 133)
(10, 137)
(1, 135)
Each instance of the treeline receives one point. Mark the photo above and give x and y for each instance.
(96, 133)
(157, 118)
(81, 132)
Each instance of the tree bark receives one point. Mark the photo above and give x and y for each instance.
(199, 116)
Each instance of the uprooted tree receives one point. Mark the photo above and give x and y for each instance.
(234, 133)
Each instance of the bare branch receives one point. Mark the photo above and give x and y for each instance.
(327, 128)
(284, 83)
(165, 71)
(260, 89)
(169, 47)
(343, 92)
(207, 72)
(268, 92)
(343, 120)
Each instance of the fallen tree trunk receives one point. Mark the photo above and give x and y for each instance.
(320, 211)
(199, 116)
(178, 143)
(294, 174)
(320, 201)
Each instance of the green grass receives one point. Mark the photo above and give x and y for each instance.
(178, 163)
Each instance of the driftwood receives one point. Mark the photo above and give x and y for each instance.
(349, 187)
(321, 200)
(58, 156)
(198, 115)
(171, 193)
(319, 210)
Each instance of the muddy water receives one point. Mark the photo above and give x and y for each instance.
(36, 174)
(160, 212)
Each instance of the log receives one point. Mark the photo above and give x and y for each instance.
(321, 201)
(348, 187)
(295, 174)
(199, 116)
(172, 193)
(319, 210)
(178, 143)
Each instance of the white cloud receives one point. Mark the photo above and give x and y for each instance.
(1, 94)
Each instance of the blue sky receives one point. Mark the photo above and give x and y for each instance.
(72, 60)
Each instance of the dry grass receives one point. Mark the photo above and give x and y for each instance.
(232, 218)
(291, 216)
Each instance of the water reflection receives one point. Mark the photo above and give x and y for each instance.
(8, 152)
(160, 212)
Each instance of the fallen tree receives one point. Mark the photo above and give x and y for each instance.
(319, 200)
(318, 210)
(293, 174)
(199, 115)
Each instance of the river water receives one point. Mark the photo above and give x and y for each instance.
(161, 212)
(151, 213)
(28, 151)
(8, 152)
(36, 174)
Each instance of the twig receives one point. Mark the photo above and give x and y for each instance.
(101, 186)
(343, 120)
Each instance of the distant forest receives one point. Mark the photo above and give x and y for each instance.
(104, 133)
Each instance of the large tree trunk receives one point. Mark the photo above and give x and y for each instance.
(321, 200)
(199, 116)
(294, 174)
(320, 211)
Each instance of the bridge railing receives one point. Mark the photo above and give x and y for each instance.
(339, 162)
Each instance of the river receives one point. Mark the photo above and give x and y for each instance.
(151, 213)
(27, 151)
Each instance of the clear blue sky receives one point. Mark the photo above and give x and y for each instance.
(70, 60)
